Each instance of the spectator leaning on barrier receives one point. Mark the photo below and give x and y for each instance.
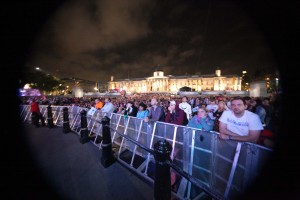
(174, 115)
(143, 112)
(240, 124)
(202, 120)
(108, 106)
(156, 112)
(131, 110)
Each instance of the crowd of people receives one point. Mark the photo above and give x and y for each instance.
(246, 119)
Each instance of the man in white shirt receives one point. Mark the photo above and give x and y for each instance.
(186, 107)
(108, 106)
(239, 124)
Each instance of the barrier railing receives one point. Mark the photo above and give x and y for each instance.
(225, 168)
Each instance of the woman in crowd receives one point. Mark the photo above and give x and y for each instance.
(143, 112)
(202, 120)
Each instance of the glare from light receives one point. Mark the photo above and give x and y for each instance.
(27, 86)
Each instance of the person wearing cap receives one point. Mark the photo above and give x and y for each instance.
(143, 112)
(131, 110)
(174, 115)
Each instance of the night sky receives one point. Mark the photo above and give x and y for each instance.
(96, 39)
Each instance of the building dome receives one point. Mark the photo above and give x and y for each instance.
(158, 73)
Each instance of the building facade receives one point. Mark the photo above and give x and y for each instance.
(161, 83)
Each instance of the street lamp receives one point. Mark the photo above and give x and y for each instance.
(42, 70)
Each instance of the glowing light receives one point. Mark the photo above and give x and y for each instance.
(27, 86)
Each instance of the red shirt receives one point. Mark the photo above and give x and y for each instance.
(35, 107)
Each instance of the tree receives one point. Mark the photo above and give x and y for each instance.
(40, 80)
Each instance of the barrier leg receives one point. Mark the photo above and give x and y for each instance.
(34, 119)
(162, 180)
(42, 119)
(107, 155)
(84, 135)
(66, 124)
(50, 116)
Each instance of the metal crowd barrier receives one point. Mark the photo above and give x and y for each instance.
(227, 168)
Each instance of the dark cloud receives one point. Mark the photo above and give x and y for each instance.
(96, 39)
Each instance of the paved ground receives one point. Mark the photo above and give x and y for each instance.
(64, 168)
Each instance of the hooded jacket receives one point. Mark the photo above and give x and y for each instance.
(176, 117)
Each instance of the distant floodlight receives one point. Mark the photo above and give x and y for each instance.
(37, 68)
(27, 86)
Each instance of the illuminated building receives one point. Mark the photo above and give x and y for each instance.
(161, 83)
